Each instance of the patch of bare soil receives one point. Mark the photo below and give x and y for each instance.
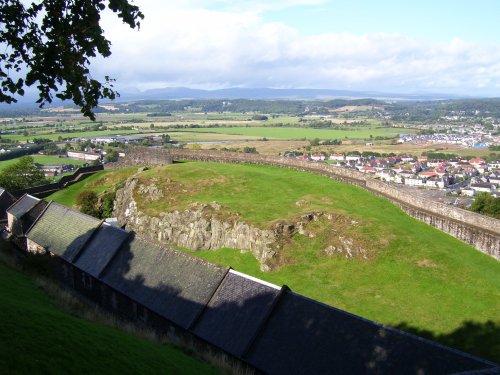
(426, 263)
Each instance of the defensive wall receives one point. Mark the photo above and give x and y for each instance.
(482, 232)
(43, 191)
(252, 326)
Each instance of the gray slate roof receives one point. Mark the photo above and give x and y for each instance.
(63, 231)
(236, 311)
(171, 283)
(23, 205)
(100, 249)
(6, 200)
(306, 337)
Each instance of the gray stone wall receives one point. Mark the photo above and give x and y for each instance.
(480, 231)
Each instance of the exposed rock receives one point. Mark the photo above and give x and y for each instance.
(150, 192)
(346, 247)
(208, 227)
(192, 228)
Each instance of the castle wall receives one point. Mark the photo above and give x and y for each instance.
(480, 231)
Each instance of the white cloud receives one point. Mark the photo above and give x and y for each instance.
(188, 45)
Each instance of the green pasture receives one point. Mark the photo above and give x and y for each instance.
(415, 276)
(301, 133)
(187, 136)
(38, 336)
(76, 134)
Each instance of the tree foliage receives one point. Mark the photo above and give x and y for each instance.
(87, 201)
(49, 43)
(22, 175)
(486, 204)
(100, 206)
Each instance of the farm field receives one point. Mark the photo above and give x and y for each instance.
(308, 133)
(415, 277)
(76, 134)
(188, 136)
(43, 159)
(412, 149)
(62, 343)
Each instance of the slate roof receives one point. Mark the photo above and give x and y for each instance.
(32, 215)
(105, 242)
(6, 200)
(236, 311)
(171, 283)
(306, 337)
(22, 205)
(62, 231)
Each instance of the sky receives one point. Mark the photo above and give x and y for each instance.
(423, 46)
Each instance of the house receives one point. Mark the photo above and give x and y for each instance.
(339, 157)
(483, 187)
(304, 157)
(318, 157)
(436, 182)
(6, 200)
(428, 174)
(20, 217)
(476, 161)
(414, 180)
(367, 169)
(386, 175)
(83, 156)
(468, 192)
(481, 168)
(494, 178)
(69, 238)
(407, 158)
(353, 158)
(494, 164)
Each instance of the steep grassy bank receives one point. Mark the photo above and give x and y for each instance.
(38, 337)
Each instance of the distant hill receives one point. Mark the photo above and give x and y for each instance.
(270, 94)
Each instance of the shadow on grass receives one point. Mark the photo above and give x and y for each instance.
(479, 339)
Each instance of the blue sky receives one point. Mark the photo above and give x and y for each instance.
(386, 45)
(437, 20)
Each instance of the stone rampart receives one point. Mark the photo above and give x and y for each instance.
(43, 191)
(480, 231)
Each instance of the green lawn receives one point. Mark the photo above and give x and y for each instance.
(39, 337)
(415, 275)
(300, 133)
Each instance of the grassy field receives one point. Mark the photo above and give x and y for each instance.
(76, 134)
(39, 337)
(187, 136)
(300, 133)
(43, 159)
(415, 276)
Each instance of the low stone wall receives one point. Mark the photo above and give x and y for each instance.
(480, 231)
(43, 191)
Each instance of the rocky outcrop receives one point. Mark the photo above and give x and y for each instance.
(208, 227)
(195, 228)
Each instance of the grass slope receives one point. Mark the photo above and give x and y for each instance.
(38, 337)
(416, 276)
